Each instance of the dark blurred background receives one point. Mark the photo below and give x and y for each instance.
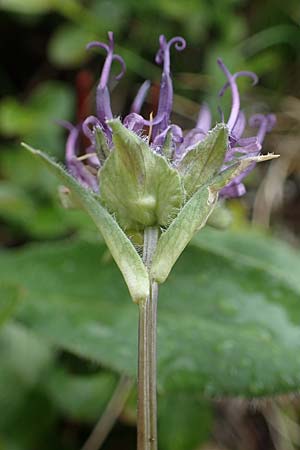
(46, 74)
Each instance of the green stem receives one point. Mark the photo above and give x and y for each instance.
(147, 409)
(143, 424)
(110, 415)
(152, 324)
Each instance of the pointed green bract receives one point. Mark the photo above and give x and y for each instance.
(172, 242)
(122, 250)
(167, 148)
(193, 217)
(234, 170)
(138, 185)
(203, 162)
(101, 148)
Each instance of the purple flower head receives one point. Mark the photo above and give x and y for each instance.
(240, 147)
(86, 167)
(103, 107)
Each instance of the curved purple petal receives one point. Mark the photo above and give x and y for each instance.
(250, 147)
(76, 167)
(242, 73)
(176, 135)
(123, 66)
(233, 190)
(65, 124)
(134, 122)
(242, 152)
(264, 123)
(192, 138)
(157, 119)
(235, 108)
(165, 101)
(103, 106)
(91, 121)
(140, 97)
(204, 118)
(239, 127)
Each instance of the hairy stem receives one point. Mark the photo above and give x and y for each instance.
(147, 409)
(152, 365)
(143, 424)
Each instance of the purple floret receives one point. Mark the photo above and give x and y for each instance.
(161, 127)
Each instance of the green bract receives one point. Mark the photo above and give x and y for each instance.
(121, 248)
(204, 161)
(138, 185)
(140, 188)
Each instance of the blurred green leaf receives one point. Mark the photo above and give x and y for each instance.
(228, 320)
(67, 46)
(9, 298)
(14, 117)
(278, 34)
(254, 248)
(80, 397)
(27, 7)
(35, 120)
(184, 421)
(14, 202)
(17, 166)
(29, 198)
(24, 361)
(26, 412)
(40, 217)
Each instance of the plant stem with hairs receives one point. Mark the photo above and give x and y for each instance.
(147, 410)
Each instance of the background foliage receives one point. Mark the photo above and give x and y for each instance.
(228, 316)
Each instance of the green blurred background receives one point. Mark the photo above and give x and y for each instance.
(49, 396)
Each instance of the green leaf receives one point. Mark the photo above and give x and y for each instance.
(124, 253)
(67, 46)
(14, 117)
(14, 202)
(204, 162)
(254, 248)
(172, 242)
(28, 7)
(80, 397)
(24, 361)
(35, 119)
(184, 421)
(228, 319)
(30, 200)
(9, 299)
(138, 185)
